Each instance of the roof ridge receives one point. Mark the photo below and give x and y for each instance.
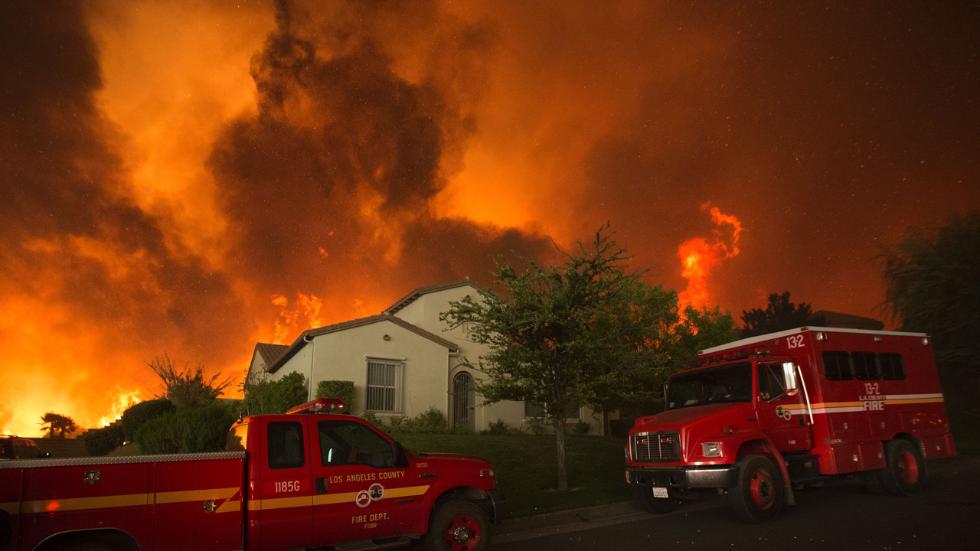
(424, 290)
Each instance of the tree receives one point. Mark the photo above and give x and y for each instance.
(701, 329)
(57, 426)
(931, 285)
(585, 332)
(267, 396)
(138, 414)
(780, 314)
(187, 430)
(187, 387)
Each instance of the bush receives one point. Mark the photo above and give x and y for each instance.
(370, 417)
(534, 425)
(189, 430)
(581, 427)
(103, 441)
(430, 420)
(337, 389)
(275, 396)
(138, 414)
(498, 427)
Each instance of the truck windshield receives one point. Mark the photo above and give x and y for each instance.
(728, 383)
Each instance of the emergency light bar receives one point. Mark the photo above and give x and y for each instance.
(320, 405)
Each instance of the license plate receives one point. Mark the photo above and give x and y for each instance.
(660, 492)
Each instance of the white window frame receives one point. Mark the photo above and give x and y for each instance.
(397, 384)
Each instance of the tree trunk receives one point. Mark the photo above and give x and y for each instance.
(559, 424)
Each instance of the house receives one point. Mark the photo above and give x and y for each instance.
(403, 362)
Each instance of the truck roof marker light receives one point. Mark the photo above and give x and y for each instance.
(877, 338)
(320, 405)
(925, 341)
(820, 336)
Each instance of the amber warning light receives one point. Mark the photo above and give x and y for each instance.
(321, 405)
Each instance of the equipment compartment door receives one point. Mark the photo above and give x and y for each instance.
(781, 416)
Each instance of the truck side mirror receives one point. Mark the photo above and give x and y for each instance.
(790, 382)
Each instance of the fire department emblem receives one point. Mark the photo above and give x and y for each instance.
(363, 499)
(783, 413)
(376, 491)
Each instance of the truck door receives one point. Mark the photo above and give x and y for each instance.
(284, 504)
(364, 489)
(782, 416)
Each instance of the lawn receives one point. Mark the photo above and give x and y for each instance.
(526, 472)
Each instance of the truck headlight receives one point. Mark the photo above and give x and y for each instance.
(711, 449)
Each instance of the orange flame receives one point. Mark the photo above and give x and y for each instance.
(121, 403)
(304, 314)
(700, 256)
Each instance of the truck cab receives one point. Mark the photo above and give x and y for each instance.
(317, 476)
(756, 417)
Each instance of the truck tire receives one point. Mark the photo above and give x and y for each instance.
(905, 471)
(760, 493)
(458, 525)
(643, 495)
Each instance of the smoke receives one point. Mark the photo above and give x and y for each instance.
(273, 166)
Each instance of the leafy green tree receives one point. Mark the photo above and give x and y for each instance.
(585, 332)
(57, 425)
(700, 329)
(136, 415)
(187, 387)
(780, 314)
(267, 396)
(932, 286)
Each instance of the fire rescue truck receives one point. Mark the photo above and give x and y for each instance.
(757, 418)
(310, 478)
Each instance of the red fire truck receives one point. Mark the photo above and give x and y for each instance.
(310, 478)
(757, 418)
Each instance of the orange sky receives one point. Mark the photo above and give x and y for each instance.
(189, 177)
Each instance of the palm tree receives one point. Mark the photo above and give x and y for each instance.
(57, 426)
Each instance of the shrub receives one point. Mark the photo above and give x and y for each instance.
(498, 427)
(581, 427)
(534, 425)
(430, 420)
(275, 396)
(370, 417)
(189, 430)
(103, 441)
(138, 414)
(337, 389)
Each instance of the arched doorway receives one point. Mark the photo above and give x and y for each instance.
(464, 401)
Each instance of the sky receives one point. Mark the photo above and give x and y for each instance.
(190, 177)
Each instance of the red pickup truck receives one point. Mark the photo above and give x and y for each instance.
(310, 478)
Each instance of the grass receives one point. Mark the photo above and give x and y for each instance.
(526, 471)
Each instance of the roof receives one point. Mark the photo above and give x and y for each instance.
(418, 292)
(270, 352)
(310, 334)
(779, 334)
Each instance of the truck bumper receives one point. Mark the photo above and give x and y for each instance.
(685, 477)
(496, 502)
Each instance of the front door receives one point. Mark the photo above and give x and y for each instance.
(782, 416)
(464, 401)
(364, 488)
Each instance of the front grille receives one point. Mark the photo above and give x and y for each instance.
(656, 447)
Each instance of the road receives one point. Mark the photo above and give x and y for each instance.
(840, 516)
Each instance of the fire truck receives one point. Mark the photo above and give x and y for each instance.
(758, 418)
(312, 477)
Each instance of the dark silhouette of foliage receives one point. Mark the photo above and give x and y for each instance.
(136, 415)
(780, 314)
(57, 425)
(187, 430)
(337, 389)
(187, 387)
(933, 286)
(104, 440)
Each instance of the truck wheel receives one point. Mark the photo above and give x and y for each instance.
(905, 471)
(643, 495)
(759, 494)
(458, 525)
